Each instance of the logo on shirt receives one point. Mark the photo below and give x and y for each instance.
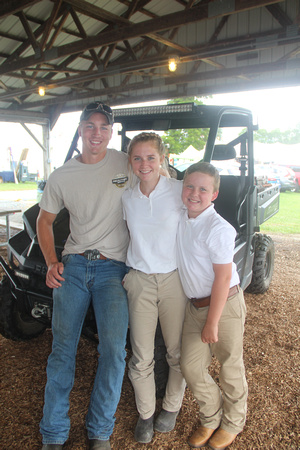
(120, 180)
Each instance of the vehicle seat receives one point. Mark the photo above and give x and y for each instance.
(227, 204)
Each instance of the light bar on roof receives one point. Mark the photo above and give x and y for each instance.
(162, 109)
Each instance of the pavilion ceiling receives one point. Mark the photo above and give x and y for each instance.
(118, 51)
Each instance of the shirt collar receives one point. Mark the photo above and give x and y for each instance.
(208, 212)
(137, 193)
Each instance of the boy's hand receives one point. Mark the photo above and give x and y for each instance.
(209, 334)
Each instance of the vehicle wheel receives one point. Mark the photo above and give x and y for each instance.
(297, 187)
(263, 264)
(161, 369)
(16, 324)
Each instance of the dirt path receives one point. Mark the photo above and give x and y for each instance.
(271, 359)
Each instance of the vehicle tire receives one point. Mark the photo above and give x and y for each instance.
(16, 324)
(161, 368)
(263, 264)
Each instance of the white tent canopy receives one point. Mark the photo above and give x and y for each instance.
(277, 153)
(189, 155)
(192, 154)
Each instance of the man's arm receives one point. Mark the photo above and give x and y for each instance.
(46, 241)
(219, 294)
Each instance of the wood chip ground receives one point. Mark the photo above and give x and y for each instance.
(271, 353)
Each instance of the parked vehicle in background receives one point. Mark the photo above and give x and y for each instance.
(7, 176)
(281, 176)
(286, 177)
(296, 169)
(183, 167)
(263, 176)
(20, 176)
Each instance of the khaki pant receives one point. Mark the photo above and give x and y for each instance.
(151, 297)
(228, 410)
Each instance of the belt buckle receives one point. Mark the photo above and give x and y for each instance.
(92, 255)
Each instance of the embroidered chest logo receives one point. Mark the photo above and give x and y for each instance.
(120, 180)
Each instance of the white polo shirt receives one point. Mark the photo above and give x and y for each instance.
(201, 242)
(152, 222)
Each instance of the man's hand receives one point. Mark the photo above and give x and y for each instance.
(209, 334)
(54, 275)
(46, 240)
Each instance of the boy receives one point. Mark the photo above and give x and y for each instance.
(215, 314)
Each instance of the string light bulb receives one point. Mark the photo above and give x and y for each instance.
(173, 62)
(41, 91)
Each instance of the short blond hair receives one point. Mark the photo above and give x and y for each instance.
(207, 168)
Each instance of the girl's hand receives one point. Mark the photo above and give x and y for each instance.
(209, 334)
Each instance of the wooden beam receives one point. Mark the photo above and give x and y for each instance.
(247, 71)
(169, 21)
(9, 7)
(50, 22)
(28, 30)
(219, 48)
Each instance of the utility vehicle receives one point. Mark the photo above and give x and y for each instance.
(25, 300)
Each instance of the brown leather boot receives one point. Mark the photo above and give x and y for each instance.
(200, 437)
(221, 439)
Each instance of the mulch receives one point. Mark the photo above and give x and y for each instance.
(271, 353)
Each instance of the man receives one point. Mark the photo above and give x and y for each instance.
(90, 186)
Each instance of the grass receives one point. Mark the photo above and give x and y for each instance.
(27, 186)
(287, 220)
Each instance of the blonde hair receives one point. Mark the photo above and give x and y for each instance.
(147, 137)
(207, 168)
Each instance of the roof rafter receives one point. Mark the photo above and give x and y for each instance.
(196, 14)
(118, 51)
(9, 7)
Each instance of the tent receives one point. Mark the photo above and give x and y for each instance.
(189, 155)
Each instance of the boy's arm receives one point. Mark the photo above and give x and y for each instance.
(46, 241)
(219, 294)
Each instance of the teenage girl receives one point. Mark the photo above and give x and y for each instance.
(152, 209)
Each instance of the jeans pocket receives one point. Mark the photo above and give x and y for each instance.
(66, 258)
(119, 264)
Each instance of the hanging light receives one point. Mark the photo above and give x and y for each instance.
(42, 91)
(173, 62)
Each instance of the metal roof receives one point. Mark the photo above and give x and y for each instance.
(118, 51)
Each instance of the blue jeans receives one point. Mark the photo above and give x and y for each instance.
(86, 281)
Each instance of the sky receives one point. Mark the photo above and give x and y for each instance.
(272, 109)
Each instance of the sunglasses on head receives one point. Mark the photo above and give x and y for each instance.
(98, 106)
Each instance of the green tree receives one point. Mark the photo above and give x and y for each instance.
(291, 136)
(176, 141)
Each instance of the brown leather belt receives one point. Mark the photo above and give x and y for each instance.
(205, 301)
(92, 255)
